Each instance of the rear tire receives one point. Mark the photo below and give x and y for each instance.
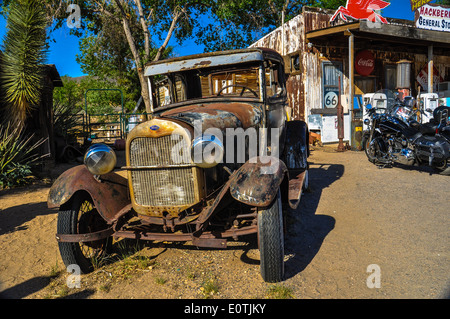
(445, 169)
(271, 241)
(79, 216)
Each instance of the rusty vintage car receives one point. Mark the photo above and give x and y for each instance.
(217, 160)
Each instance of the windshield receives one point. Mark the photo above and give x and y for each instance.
(241, 81)
(199, 84)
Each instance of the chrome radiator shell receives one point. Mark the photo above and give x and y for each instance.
(162, 178)
(164, 184)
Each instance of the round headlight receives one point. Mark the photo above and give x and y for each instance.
(207, 151)
(100, 159)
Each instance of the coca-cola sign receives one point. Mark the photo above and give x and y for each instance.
(364, 63)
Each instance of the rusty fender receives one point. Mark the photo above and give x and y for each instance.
(296, 151)
(109, 193)
(256, 183)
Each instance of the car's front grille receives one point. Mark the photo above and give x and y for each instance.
(164, 150)
(156, 185)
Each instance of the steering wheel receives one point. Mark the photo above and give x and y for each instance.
(238, 85)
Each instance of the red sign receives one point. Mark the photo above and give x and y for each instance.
(422, 77)
(364, 63)
(362, 10)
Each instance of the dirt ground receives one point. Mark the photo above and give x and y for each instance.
(357, 221)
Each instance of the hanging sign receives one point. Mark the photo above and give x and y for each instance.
(364, 63)
(415, 4)
(362, 10)
(433, 18)
(422, 78)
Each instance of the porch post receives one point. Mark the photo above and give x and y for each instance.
(430, 69)
(351, 63)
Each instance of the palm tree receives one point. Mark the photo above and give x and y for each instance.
(24, 53)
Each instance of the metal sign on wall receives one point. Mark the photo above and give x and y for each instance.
(433, 18)
(422, 77)
(364, 63)
(415, 4)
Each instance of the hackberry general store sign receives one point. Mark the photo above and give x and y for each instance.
(433, 18)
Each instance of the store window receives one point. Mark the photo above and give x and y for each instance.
(390, 76)
(331, 71)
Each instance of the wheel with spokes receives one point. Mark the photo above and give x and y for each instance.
(79, 216)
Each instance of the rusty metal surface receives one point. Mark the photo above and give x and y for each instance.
(303, 87)
(208, 211)
(219, 115)
(295, 189)
(83, 238)
(209, 242)
(209, 59)
(159, 128)
(211, 213)
(109, 195)
(204, 60)
(317, 19)
(257, 184)
(206, 239)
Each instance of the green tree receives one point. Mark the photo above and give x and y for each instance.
(146, 26)
(99, 101)
(238, 23)
(24, 54)
(138, 23)
(444, 2)
(120, 36)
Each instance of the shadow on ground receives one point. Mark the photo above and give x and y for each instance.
(306, 231)
(15, 218)
(35, 284)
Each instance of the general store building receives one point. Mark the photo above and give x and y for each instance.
(362, 55)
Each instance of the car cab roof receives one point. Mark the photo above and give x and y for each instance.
(212, 59)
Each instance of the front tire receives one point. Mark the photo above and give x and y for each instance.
(271, 241)
(374, 150)
(79, 216)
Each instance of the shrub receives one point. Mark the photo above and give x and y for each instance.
(17, 156)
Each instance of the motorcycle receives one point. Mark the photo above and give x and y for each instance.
(394, 136)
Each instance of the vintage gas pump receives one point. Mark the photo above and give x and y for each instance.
(428, 102)
(377, 100)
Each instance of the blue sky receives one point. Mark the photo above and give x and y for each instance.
(62, 52)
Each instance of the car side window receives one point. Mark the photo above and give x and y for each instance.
(170, 89)
(163, 97)
(274, 82)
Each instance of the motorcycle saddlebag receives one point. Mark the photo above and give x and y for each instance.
(432, 148)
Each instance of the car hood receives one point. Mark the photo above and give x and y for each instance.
(218, 115)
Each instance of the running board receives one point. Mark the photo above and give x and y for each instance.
(295, 189)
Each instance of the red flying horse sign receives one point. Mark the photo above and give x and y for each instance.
(362, 10)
